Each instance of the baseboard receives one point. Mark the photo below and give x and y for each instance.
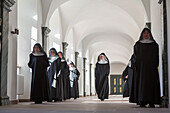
(86, 95)
(14, 101)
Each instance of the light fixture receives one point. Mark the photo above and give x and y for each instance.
(16, 31)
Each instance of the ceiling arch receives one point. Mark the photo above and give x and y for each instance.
(112, 12)
(98, 25)
(90, 27)
(118, 38)
(115, 52)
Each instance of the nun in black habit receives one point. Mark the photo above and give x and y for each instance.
(65, 72)
(74, 77)
(146, 52)
(39, 84)
(102, 71)
(53, 74)
(128, 77)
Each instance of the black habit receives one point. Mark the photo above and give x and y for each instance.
(128, 89)
(54, 81)
(65, 72)
(39, 83)
(147, 77)
(74, 77)
(102, 71)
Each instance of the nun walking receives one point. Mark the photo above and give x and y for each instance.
(146, 52)
(102, 71)
(39, 85)
(65, 72)
(74, 77)
(128, 77)
(53, 73)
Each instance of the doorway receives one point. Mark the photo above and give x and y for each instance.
(116, 84)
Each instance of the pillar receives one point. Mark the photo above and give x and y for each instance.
(12, 56)
(76, 57)
(64, 45)
(4, 25)
(45, 32)
(90, 70)
(168, 34)
(165, 101)
(84, 76)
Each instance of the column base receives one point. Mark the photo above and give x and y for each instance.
(91, 94)
(165, 102)
(4, 101)
(84, 94)
(14, 101)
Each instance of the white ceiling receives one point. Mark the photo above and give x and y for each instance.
(110, 26)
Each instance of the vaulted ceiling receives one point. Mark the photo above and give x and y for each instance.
(110, 26)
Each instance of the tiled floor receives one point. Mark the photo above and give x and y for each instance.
(116, 104)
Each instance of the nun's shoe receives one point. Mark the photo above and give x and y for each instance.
(102, 99)
(151, 105)
(38, 102)
(142, 105)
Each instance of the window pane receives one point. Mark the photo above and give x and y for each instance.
(34, 33)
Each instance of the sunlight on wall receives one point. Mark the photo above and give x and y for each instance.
(35, 17)
(57, 36)
(33, 36)
(56, 46)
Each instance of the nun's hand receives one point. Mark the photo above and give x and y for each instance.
(126, 77)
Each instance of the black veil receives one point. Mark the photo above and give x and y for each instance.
(53, 49)
(146, 29)
(103, 55)
(40, 47)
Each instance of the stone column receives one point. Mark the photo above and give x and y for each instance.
(84, 76)
(4, 25)
(45, 32)
(165, 101)
(64, 45)
(76, 57)
(148, 25)
(90, 70)
(168, 29)
(12, 56)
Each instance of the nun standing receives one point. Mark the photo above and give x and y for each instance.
(102, 71)
(39, 84)
(74, 77)
(146, 52)
(53, 73)
(65, 77)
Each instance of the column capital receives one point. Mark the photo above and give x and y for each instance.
(160, 1)
(76, 53)
(7, 4)
(65, 44)
(46, 31)
(148, 25)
